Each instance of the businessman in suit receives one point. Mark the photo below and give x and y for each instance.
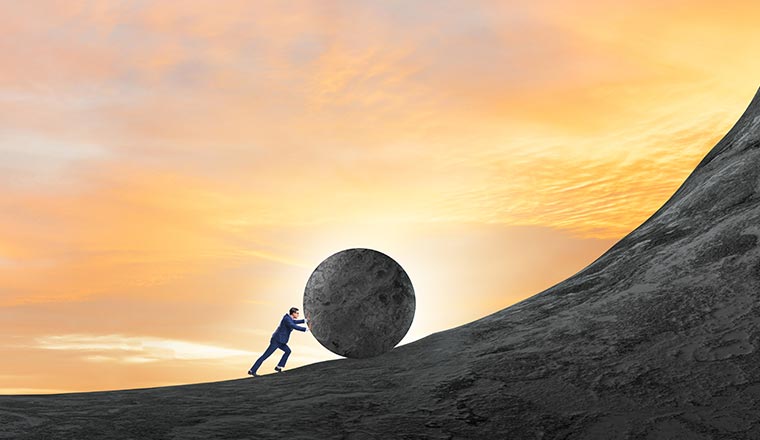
(280, 340)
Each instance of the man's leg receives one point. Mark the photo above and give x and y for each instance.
(286, 349)
(272, 347)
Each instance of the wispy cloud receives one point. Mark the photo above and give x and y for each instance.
(133, 349)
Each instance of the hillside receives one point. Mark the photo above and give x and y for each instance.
(658, 338)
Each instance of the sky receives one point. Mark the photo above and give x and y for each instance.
(172, 172)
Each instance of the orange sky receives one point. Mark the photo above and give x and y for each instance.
(172, 172)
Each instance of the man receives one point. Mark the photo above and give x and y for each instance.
(280, 340)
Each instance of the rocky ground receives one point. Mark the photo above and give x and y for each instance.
(658, 338)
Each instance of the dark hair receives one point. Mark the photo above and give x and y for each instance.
(293, 310)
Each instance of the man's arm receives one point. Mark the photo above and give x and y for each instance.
(292, 324)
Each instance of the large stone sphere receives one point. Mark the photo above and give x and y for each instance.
(359, 303)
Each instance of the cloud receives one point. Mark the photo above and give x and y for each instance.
(380, 107)
(134, 349)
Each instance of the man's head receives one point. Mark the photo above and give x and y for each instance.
(294, 312)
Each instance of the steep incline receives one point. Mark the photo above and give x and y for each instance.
(658, 338)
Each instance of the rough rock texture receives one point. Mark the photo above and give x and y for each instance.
(359, 302)
(658, 338)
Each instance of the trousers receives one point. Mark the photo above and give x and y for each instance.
(273, 345)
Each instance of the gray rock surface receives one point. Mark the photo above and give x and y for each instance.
(656, 339)
(359, 303)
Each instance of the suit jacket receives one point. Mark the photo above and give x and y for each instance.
(287, 325)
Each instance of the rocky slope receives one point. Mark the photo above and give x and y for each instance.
(658, 338)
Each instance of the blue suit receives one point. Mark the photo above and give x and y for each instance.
(287, 325)
(280, 340)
